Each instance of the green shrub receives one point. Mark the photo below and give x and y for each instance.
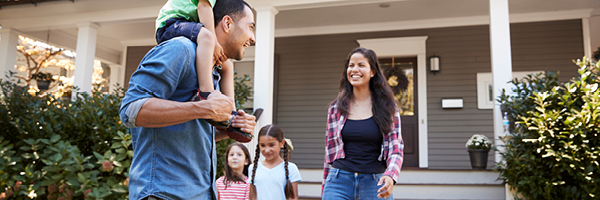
(53, 148)
(552, 152)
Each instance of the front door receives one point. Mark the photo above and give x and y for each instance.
(402, 77)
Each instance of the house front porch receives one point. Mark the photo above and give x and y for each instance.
(425, 184)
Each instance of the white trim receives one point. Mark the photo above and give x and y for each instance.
(409, 46)
(70, 20)
(587, 41)
(430, 23)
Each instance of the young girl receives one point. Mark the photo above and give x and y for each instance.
(234, 185)
(274, 178)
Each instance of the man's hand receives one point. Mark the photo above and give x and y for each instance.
(220, 105)
(244, 121)
(387, 186)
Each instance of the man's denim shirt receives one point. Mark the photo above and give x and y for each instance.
(173, 162)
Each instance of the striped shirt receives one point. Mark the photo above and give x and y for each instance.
(234, 191)
(392, 150)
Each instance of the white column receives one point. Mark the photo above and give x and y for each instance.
(121, 78)
(115, 77)
(501, 63)
(264, 62)
(264, 66)
(587, 44)
(84, 61)
(8, 50)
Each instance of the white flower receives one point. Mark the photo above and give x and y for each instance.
(479, 141)
(32, 194)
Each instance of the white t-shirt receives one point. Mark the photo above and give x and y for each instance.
(270, 183)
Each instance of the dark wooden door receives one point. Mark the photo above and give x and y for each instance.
(402, 77)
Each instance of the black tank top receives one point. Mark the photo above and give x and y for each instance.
(362, 146)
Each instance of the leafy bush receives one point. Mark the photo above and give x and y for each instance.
(552, 152)
(60, 149)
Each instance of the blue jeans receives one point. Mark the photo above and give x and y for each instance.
(176, 27)
(341, 184)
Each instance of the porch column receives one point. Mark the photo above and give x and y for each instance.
(501, 66)
(84, 61)
(115, 77)
(501, 61)
(8, 50)
(264, 66)
(264, 62)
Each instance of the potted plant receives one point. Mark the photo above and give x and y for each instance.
(478, 146)
(43, 80)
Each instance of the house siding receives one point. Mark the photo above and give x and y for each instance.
(134, 57)
(309, 69)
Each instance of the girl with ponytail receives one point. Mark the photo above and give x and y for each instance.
(274, 178)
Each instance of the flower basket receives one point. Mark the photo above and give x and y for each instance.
(478, 147)
(43, 85)
(43, 80)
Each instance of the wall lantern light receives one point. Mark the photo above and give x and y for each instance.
(434, 64)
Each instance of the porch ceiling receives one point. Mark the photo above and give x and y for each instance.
(131, 22)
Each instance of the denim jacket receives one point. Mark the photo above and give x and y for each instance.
(173, 162)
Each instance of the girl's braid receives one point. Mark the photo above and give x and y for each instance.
(289, 189)
(252, 186)
(285, 158)
(256, 157)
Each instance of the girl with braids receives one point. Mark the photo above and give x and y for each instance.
(364, 148)
(234, 185)
(274, 178)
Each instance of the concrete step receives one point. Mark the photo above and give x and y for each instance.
(425, 184)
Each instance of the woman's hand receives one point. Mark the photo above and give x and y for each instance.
(387, 186)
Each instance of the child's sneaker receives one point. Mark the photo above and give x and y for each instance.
(236, 133)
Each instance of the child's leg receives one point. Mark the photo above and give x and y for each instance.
(204, 59)
(227, 79)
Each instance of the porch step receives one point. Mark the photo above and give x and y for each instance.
(424, 184)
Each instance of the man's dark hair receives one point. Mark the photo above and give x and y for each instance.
(233, 8)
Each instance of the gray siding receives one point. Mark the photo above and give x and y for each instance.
(134, 56)
(309, 69)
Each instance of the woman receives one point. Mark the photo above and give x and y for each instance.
(363, 142)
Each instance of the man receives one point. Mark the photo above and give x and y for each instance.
(174, 147)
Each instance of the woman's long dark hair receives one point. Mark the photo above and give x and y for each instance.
(229, 175)
(382, 97)
(273, 131)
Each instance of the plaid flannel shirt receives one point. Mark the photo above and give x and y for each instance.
(392, 150)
